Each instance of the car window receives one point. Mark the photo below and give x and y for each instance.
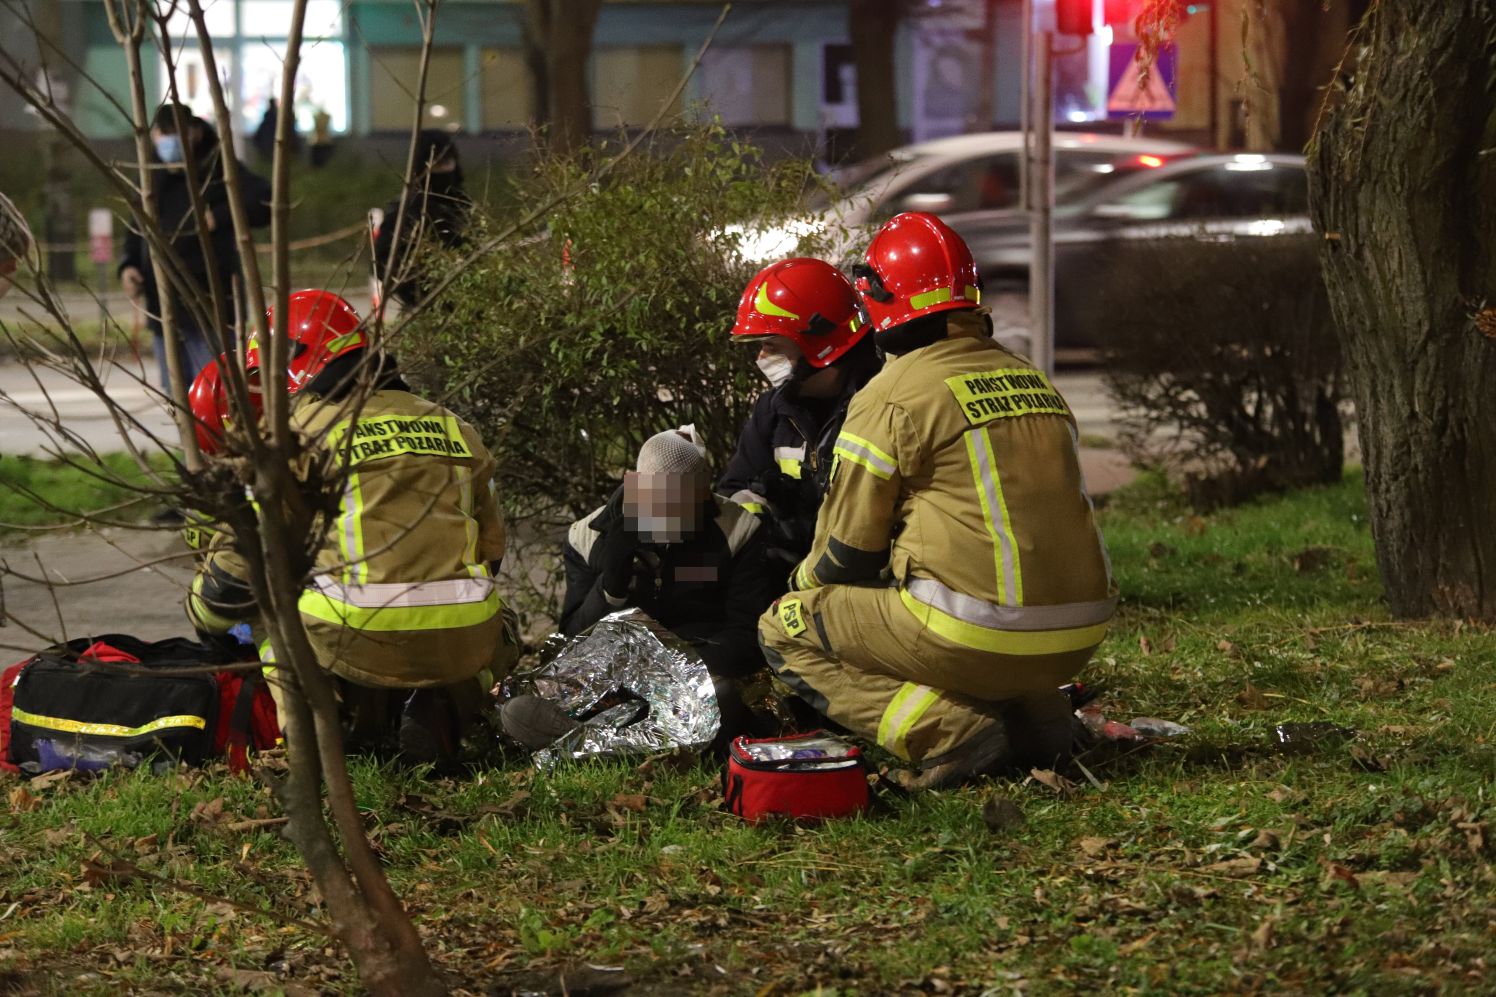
(977, 184)
(1278, 190)
(1150, 203)
(1251, 189)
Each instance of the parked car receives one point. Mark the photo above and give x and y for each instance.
(1207, 198)
(949, 177)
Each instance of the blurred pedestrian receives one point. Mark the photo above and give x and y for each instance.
(15, 242)
(138, 272)
(435, 213)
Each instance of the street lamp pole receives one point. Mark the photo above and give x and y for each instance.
(1039, 145)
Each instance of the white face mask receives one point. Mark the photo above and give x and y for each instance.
(776, 369)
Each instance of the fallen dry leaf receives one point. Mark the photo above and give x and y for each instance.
(1284, 794)
(1262, 938)
(1245, 865)
(207, 812)
(1145, 645)
(1334, 871)
(1093, 846)
(629, 801)
(22, 801)
(1053, 780)
(1252, 698)
(51, 778)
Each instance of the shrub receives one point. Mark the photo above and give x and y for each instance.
(574, 343)
(1224, 358)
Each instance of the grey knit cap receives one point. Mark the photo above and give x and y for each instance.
(671, 452)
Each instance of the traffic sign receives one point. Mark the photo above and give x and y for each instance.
(1130, 95)
(101, 235)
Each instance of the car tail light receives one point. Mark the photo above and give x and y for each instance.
(1152, 162)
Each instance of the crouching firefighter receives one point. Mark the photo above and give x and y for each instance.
(957, 577)
(802, 317)
(403, 607)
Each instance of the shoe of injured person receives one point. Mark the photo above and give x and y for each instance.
(1041, 727)
(984, 753)
(534, 721)
(429, 729)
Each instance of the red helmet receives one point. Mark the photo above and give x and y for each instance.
(805, 300)
(916, 265)
(209, 401)
(322, 327)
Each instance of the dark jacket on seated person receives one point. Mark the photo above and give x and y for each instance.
(708, 589)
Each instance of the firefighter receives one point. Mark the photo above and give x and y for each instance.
(693, 561)
(957, 577)
(403, 607)
(801, 314)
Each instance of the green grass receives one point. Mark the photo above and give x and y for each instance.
(47, 493)
(1210, 864)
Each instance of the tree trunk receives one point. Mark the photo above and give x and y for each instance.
(874, 26)
(1405, 195)
(537, 29)
(558, 41)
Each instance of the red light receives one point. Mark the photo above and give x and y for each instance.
(1152, 162)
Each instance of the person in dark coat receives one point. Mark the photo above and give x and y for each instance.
(435, 212)
(693, 561)
(138, 273)
(801, 316)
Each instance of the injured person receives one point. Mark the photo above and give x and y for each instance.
(691, 560)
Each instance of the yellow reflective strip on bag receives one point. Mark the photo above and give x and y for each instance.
(106, 730)
(1015, 642)
(757, 508)
(448, 616)
(789, 467)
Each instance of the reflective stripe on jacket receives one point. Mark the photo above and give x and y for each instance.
(957, 472)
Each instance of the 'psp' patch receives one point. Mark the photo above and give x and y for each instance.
(1005, 394)
(792, 617)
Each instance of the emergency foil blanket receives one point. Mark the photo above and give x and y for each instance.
(635, 686)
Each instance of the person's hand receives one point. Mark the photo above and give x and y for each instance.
(617, 561)
(133, 282)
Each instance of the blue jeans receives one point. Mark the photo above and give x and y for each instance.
(195, 352)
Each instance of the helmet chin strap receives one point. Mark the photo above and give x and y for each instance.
(801, 371)
(912, 335)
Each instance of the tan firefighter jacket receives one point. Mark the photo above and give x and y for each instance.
(402, 593)
(957, 473)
